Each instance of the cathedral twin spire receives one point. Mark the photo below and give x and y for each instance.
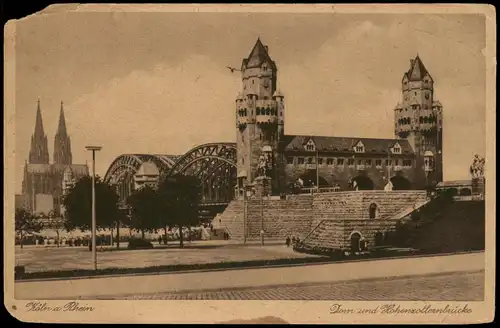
(39, 153)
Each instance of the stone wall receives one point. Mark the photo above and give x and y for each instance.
(298, 215)
(355, 205)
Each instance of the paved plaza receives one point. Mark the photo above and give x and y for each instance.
(468, 286)
(37, 259)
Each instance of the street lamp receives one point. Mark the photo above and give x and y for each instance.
(93, 149)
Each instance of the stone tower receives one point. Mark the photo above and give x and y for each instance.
(39, 152)
(259, 120)
(419, 119)
(62, 142)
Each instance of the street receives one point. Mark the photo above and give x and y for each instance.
(467, 286)
(287, 282)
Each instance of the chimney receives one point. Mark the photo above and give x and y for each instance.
(267, 49)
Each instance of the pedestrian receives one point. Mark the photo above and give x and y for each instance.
(293, 240)
(159, 240)
(287, 241)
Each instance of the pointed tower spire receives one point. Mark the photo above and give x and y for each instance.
(62, 142)
(39, 153)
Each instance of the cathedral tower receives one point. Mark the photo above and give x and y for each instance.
(62, 142)
(39, 152)
(419, 119)
(259, 118)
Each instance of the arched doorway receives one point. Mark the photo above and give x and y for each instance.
(309, 179)
(400, 183)
(379, 238)
(465, 192)
(372, 211)
(361, 182)
(355, 242)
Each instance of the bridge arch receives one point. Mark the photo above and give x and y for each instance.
(214, 164)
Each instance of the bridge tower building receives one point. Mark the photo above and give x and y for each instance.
(259, 119)
(419, 119)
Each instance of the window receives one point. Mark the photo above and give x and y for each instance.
(368, 162)
(301, 160)
(427, 95)
(396, 162)
(243, 161)
(309, 160)
(340, 161)
(253, 82)
(329, 161)
(407, 162)
(258, 110)
(378, 162)
(350, 162)
(320, 161)
(289, 160)
(388, 162)
(415, 93)
(396, 149)
(373, 211)
(242, 138)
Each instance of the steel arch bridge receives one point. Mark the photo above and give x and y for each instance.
(213, 163)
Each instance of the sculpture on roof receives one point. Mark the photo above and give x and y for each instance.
(477, 167)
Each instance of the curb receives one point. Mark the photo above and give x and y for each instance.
(269, 266)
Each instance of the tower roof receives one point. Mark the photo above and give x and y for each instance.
(61, 129)
(417, 70)
(258, 55)
(39, 132)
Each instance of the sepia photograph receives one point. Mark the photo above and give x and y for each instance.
(338, 158)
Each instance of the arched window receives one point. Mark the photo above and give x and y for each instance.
(373, 211)
(268, 111)
(355, 245)
(258, 110)
(421, 119)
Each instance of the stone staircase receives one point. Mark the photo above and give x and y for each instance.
(231, 220)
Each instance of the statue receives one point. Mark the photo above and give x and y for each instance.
(477, 167)
(265, 165)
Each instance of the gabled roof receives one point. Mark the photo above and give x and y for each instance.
(344, 144)
(417, 70)
(258, 56)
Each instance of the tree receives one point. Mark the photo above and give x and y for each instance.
(78, 205)
(146, 210)
(54, 222)
(26, 223)
(181, 196)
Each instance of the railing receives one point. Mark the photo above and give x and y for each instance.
(408, 210)
(310, 232)
(316, 190)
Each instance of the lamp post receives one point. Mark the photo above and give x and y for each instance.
(93, 149)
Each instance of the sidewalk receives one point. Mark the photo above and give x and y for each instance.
(196, 281)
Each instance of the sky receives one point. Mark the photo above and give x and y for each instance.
(145, 82)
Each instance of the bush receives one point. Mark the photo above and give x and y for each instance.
(19, 271)
(139, 244)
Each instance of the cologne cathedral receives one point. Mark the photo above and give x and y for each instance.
(45, 183)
